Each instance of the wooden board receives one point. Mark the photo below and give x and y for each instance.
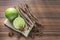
(47, 12)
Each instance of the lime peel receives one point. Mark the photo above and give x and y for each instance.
(11, 13)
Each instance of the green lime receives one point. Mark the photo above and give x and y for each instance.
(11, 13)
(19, 23)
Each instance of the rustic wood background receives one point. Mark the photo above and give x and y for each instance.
(47, 12)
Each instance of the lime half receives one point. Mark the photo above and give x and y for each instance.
(19, 23)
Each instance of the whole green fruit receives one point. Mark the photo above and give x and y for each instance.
(19, 23)
(11, 13)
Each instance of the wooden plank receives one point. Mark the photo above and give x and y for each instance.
(48, 24)
(55, 15)
(51, 32)
(39, 7)
(8, 38)
(3, 8)
(15, 38)
(4, 33)
(47, 38)
(36, 38)
(46, 28)
(43, 21)
(39, 14)
(47, 21)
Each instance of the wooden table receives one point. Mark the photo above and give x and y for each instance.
(47, 12)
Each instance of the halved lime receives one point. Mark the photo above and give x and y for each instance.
(19, 23)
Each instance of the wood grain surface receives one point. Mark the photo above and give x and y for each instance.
(46, 11)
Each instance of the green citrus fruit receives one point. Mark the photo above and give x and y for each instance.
(19, 23)
(11, 13)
